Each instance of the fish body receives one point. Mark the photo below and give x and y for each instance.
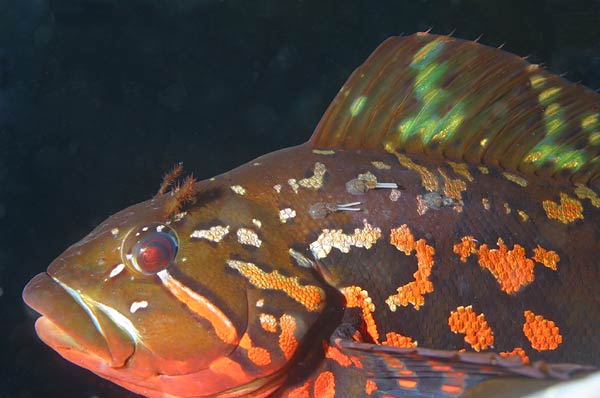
(437, 233)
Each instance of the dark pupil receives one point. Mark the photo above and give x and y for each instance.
(155, 252)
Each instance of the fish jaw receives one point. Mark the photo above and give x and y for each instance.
(74, 328)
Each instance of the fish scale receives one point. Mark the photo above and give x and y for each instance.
(437, 233)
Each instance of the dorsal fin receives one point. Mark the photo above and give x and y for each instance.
(461, 100)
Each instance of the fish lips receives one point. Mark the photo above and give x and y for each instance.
(77, 331)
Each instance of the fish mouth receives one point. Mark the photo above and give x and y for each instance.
(76, 328)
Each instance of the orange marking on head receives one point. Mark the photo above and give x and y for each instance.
(370, 386)
(547, 257)
(405, 372)
(408, 383)
(203, 308)
(510, 267)
(357, 297)
(268, 322)
(300, 392)
(451, 389)
(310, 296)
(517, 352)
(257, 355)
(476, 329)
(397, 340)
(541, 333)
(569, 209)
(325, 385)
(287, 341)
(465, 248)
(413, 292)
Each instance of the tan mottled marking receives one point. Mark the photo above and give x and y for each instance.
(323, 151)
(277, 188)
(484, 170)
(293, 184)
(316, 181)
(213, 234)
(380, 165)
(247, 236)
(257, 223)
(395, 195)
(524, 216)
(428, 179)
(238, 189)
(286, 214)
(516, 179)
(485, 202)
(584, 192)
(569, 209)
(329, 239)
(310, 296)
(507, 208)
(461, 169)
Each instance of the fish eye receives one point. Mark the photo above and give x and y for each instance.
(151, 248)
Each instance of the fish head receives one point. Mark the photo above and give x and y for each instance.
(146, 302)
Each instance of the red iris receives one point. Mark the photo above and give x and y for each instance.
(154, 252)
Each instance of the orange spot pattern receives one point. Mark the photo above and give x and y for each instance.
(325, 385)
(511, 268)
(408, 383)
(257, 355)
(310, 296)
(342, 359)
(300, 392)
(465, 248)
(403, 239)
(517, 352)
(397, 340)
(541, 333)
(287, 341)
(476, 329)
(547, 257)
(453, 187)
(357, 297)
(569, 209)
(370, 386)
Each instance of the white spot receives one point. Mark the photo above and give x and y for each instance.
(136, 305)
(257, 223)
(260, 302)
(293, 184)
(179, 216)
(117, 270)
(248, 237)
(395, 195)
(238, 189)
(286, 214)
(213, 234)
(129, 257)
(380, 165)
(323, 152)
(277, 188)
(114, 232)
(329, 239)
(144, 229)
(159, 228)
(256, 164)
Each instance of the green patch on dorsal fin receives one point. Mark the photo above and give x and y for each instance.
(461, 100)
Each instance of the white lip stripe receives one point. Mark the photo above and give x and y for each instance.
(80, 300)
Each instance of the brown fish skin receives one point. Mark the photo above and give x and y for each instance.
(364, 262)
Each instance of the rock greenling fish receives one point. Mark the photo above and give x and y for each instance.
(437, 236)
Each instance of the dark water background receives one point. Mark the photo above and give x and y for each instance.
(99, 97)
